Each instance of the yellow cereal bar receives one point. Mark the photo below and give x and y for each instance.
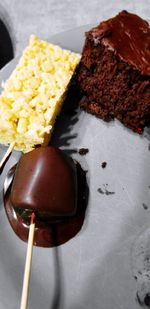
(34, 93)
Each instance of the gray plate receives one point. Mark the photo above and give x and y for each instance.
(94, 269)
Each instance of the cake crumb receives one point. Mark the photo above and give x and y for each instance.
(100, 191)
(83, 151)
(145, 206)
(103, 165)
(109, 192)
(105, 190)
(147, 300)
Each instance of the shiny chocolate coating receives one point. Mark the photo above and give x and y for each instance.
(48, 233)
(45, 181)
(128, 36)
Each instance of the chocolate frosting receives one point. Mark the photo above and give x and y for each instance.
(128, 36)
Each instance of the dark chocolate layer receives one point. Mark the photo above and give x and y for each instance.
(128, 36)
(48, 234)
(45, 181)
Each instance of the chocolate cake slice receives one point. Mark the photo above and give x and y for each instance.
(114, 74)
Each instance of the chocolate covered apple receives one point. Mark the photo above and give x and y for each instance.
(52, 185)
(45, 182)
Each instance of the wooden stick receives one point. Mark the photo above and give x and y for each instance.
(8, 152)
(27, 271)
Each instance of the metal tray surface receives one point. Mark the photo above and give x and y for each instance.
(103, 266)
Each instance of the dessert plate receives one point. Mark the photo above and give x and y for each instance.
(96, 268)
